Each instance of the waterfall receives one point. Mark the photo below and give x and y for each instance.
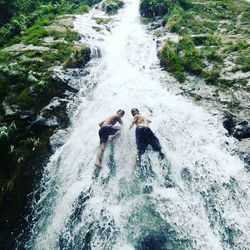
(196, 199)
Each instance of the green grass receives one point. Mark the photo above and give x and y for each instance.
(175, 19)
(243, 62)
(171, 61)
(236, 46)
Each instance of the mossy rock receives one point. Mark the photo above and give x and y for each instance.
(78, 58)
(112, 6)
(102, 20)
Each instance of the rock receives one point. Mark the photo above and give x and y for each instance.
(79, 58)
(23, 47)
(229, 121)
(10, 110)
(52, 116)
(235, 126)
(58, 139)
(112, 6)
(96, 53)
(60, 77)
(26, 114)
(242, 131)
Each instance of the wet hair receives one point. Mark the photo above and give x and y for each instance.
(134, 110)
(121, 110)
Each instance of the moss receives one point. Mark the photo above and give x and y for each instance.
(112, 6)
(158, 33)
(197, 97)
(78, 58)
(102, 20)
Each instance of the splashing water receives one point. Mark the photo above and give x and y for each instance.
(197, 199)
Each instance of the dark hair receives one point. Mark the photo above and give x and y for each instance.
(120, 110)
(134, 110)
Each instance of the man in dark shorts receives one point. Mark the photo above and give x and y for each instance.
(108, 130)
(144, 136)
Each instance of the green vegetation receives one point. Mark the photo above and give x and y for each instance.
(170, 60)
(112, 6)
(26, 13)
(102, 20)
(210, 31)
(180, 57)
(33, 38)
(152, 8)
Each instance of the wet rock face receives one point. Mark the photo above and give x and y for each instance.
(52, 116)
(236, 127)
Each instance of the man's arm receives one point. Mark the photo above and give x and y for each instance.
(118, 118)
(100, 124)
(133, 122)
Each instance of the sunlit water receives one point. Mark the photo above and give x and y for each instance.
(197, 199)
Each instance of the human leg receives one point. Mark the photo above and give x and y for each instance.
(99, 155)
(155, 144)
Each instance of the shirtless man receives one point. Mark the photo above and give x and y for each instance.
(144, 136)
(107, 129)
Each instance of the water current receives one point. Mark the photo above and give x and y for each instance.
(198, 198)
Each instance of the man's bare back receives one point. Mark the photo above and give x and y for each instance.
(111, 120)
(108, 130)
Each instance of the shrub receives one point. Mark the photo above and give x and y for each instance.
(191, 57)
(212, 76)
(152, 8)
(175, 19)
(169, 59)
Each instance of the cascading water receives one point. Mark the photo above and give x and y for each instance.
(197, 199)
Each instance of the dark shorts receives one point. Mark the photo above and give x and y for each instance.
(106, 131)
(144, 137)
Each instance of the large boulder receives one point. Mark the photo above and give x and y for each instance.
(51, 117)
(79, 58)
(242, 130)
(236, 127)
